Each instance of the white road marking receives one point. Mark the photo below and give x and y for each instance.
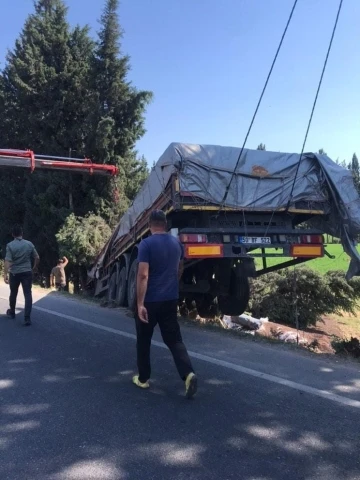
(214, 361)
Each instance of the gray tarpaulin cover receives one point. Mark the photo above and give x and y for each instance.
(263, 181)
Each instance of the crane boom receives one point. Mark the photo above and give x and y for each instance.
(28, 159)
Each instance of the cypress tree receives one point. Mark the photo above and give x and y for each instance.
(63, 94)
(355, 169)
(118, 121)
(45, 83)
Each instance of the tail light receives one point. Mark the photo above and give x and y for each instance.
(192, 238)
(313, 239)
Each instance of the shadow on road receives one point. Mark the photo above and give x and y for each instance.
(69, 411)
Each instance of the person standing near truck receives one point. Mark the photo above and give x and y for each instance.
(58, 275)
(20, 261)
(160, 265)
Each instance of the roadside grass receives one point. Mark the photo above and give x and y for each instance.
(348, 324)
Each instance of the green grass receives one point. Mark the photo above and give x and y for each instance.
(322, 265)
(348, 324)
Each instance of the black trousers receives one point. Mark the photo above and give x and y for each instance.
(25, 279)
(60, 287)
(164, 314)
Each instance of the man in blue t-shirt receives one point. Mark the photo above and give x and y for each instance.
(160, 258)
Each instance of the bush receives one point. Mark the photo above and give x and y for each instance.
(345, 294)
(316, 295)
(347, 347)
(81, 239)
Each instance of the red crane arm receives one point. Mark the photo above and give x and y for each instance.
(28, 159)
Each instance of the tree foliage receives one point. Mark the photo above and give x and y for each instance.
(117, 120)
(261, 146)
(81, 238)
(355, 170)
(63, 93)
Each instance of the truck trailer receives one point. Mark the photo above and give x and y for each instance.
(274, 205)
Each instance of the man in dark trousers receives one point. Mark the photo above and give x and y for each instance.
(20, 261)
(160, 258)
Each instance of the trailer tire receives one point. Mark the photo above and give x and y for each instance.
(131, 286)
(111, 291)
(235, 304)
(121, 290)
(207, 306)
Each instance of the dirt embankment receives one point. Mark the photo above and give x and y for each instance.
(318, 339)
(320, 336)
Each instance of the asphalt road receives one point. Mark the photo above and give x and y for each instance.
(68, 409)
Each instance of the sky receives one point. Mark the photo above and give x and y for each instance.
(206, 62)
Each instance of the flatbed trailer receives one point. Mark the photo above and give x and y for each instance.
(221, 242)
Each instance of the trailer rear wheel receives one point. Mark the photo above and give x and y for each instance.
(236, 302)
(121, 287)
(206, 306)
(111, 291)
(131, 287)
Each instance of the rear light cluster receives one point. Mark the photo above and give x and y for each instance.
(313, 239)
(197, 246)
(309, 246)
(192, 238)
(301, 239)
(293, 239)
(301, 246)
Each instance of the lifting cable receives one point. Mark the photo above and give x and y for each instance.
(258, 105)
(314, 104)
(295, 297)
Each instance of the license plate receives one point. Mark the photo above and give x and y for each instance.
(255, 240)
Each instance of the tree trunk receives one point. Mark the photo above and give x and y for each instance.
(82, 278)
(77, 281)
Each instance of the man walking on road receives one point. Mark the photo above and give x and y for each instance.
(20, 254)
(160, 258)
(58, 276)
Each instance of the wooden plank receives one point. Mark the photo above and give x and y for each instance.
(215, 208)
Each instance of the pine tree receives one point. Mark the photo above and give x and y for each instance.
(261, 146)
(45, 82)
(61, 94)
(45, 106)
(322, 152)
(118, 122)
(12, 182)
